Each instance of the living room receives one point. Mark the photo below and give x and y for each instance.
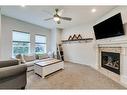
(29, 30)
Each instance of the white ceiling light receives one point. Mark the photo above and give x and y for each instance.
(56, 19)
(93, 10)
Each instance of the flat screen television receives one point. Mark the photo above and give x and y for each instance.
(111, 27)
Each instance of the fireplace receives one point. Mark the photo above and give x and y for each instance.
(111, 61)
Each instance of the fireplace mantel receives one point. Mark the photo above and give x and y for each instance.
(113, 44)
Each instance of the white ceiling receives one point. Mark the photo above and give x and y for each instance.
(37, 14)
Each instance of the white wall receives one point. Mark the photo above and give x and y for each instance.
(59, 34)
(9, 24)
(83, 53)
(55, 38)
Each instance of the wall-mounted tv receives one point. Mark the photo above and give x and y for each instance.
(111, 27)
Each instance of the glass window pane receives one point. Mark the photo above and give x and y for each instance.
(40, 48)
(20, 43)
(20, 48)
(40, 39)
(20, 36)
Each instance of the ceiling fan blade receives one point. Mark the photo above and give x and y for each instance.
(66, 18)
(48, 19)
(60, 12)
(56, 10)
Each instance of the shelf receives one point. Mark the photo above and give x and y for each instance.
(78, 40)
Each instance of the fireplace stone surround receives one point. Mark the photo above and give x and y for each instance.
(120, 48)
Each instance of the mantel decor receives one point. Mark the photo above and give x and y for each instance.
(78, 38)
(70, 38)
(74, 37)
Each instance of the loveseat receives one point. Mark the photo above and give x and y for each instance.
(29, 60)
(12, 75)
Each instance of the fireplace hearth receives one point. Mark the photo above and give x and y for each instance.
(111, 61)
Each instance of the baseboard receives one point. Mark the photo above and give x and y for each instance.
(72, 61)
(94, 67)
(123, 80)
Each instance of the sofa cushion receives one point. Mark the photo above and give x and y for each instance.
(31, 63)
(43, 56)
(29, 58)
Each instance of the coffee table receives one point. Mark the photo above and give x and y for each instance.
(47, 67)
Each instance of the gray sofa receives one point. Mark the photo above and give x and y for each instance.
(12, 75)
(29, 60)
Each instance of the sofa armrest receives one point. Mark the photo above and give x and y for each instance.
(8, 63)
(19, 60)
(12, 71)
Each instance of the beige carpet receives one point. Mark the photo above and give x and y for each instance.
(74, 76)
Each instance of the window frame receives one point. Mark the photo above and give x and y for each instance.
(21, 41)
(39, 42)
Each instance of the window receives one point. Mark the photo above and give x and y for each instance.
(21, 43)
(40, 44)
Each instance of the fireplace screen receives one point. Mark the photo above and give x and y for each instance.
(111, 61)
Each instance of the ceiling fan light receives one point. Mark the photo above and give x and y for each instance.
(56, 19)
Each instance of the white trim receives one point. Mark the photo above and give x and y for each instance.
(123, 80)
(114, 44)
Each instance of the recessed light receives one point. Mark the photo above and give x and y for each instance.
(93, 10)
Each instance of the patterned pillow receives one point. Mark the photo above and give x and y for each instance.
(28, 58)
(43, 56)
(20, 58)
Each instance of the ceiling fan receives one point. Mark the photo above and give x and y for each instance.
(56, 17)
